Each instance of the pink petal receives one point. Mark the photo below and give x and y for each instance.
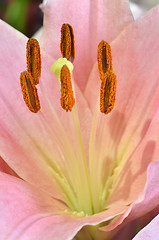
(21, 130)
(92, 21)
(22, 205)
(37, 215)
(134, 172)
(148, 199)
(137, 97)
(24, 135)
(34, 213)
(130, 130)
(5, 168)
(63, 227)
(131, 65)
(151, 231)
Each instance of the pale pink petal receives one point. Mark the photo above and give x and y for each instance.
(130, 51)
(148, 199)
(151, 231)
(145, 202)
(44, 139)
(132, 179)
(64, 227)
(24, 136)
(137, 98)
(125, 134)
(37, 215)
(134, 172)
(92, 21)
(21, 205)
(5, 168)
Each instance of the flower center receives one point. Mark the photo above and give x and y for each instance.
(81, 190)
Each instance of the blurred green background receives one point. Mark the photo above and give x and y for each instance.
(23, 15)
(26, 16)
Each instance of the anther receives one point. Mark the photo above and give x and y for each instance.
(104, 58)
(33, 59)
(108, 92)
(29, 90)
(67, 42)
(67, 98)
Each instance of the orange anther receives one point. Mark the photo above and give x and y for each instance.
(67, 42)
(33, 59)
(104, 58)
(29, 90)
(67, 98)
(108, 92)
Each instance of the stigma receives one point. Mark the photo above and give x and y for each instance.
(107, 77)
(57, 66)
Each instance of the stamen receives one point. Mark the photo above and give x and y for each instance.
(104, 58)
(67, 98)
(108, 92)
(67, 42)
(33, 59)
(29, 90)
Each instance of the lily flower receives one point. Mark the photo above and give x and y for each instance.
(79, 122)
